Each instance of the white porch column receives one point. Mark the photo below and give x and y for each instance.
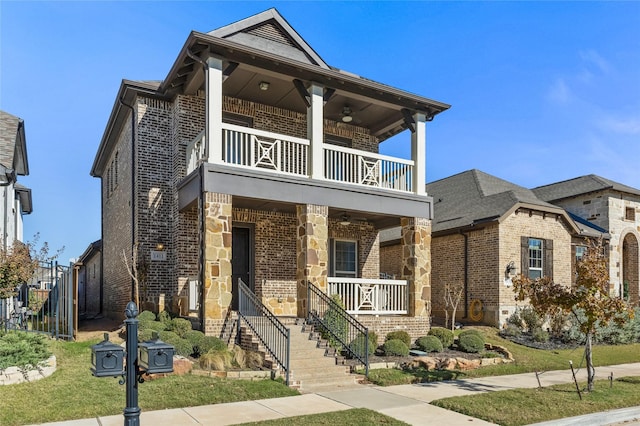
(315, 130)
(419, 154)
(213, 109)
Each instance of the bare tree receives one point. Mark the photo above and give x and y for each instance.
(137, 269)
(452, 296)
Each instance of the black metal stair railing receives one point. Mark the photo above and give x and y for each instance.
(267, 327)
(343, 331)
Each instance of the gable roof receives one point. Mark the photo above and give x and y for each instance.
(579, 186)
(473, 197)
(270, 32)
(13, 144)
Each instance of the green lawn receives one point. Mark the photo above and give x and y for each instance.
(355, 416)
(73, 393)
(525, 406)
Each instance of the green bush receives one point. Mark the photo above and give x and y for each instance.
(335, 322)
(23, 350)
(511, 331)
(183, 346)
(395, 347)
(151, 325)
(443, 334)
(468, 331)
(145, 334)
(515, 320)
(399, 335)
(164, 316)
(211, 343)
(196, 338)
(531, 319)
(180, 326)
(429, 343)
(146, 316)
(357, 345)
(540, 335)
(470, 343)
(373, 338)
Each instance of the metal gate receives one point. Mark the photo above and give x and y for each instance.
(44, 305)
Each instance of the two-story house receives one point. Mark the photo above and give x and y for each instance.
(256, 161)
(15, 198)
(614, 207)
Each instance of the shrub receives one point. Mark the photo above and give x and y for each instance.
(443, 334)
(212, 343)
(540, 335)
(23, 350)
(469, 331)
(145, 334)
(531, 319)
(151, 325)
(511, 331)
(373, 338)
(357, 345)
(399, 335)
(429, 343)
(180, 326)
(196, 338)
(335, 322)
(216, 360)
(164, 317)
(395, 347)
(146, 316)
(183, 346)
(470, 343)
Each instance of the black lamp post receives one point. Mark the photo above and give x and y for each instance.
(107, 361)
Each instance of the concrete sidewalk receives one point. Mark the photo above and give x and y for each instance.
(409, 403)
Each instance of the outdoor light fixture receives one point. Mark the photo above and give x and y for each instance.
(510, 270)
(159, 246)
(346, 114)
(344, 221)
(263, 85)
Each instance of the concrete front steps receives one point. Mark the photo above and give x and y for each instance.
(314, 366)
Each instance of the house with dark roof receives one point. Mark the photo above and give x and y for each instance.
(485, 231)
(88, 276)
(610, 206)
(15, 198)
(252, 171)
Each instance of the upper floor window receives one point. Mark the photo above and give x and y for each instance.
(537, 257)
(630, 213)
(580, 252)
(345, 258)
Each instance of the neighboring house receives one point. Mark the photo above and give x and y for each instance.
(485, 231)
(255, 160)
(89, 281)
(614, 207)
(15, 199)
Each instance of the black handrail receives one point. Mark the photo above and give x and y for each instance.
(344, 331)
(267, 327)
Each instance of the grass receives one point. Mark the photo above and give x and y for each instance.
(526, 360)
(526, 406)
(73, 393)
(355, 416)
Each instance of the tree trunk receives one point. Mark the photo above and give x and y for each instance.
(591, 372)
(453, 317)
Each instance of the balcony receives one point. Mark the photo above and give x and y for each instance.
(371, 296)
(287, 155)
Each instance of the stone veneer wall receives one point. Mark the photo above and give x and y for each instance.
(312, 251)
(416, 264)
(217, 291)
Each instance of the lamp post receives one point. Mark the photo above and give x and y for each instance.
(107, 361)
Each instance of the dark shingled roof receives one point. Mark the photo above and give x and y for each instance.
(578, 186)
(473, 197)
(13, 149)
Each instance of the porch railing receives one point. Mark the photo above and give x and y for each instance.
(267, 328)
(371, 296)
(196, 150)
(342, 330)
(366, 168)
(253, 148)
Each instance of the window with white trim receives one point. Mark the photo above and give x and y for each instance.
(345, 258)
(535, 258)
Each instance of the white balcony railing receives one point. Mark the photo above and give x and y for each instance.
(365, 168)
(257, 149)
(371, 296)
(253, 148)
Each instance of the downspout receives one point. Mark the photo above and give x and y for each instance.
(201, 236)
(466, 275)
(133, 188)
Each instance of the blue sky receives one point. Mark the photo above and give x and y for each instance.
(540, 91)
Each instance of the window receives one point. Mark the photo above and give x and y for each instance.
(345, 259)
(535, 258)
(580, 251)
(630, 213)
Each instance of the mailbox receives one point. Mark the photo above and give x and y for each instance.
(107, 359)
(155, 356)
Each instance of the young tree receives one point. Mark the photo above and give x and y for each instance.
(19, 262)
(452, 296)
(590, 295)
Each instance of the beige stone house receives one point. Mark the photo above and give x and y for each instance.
(485, 231)
(255, 160)
(611, 206)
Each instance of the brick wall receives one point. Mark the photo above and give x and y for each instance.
(389, 260)
(448, 266)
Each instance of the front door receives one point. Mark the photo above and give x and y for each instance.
(240, 261)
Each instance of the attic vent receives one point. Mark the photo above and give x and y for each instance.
(271, 32)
